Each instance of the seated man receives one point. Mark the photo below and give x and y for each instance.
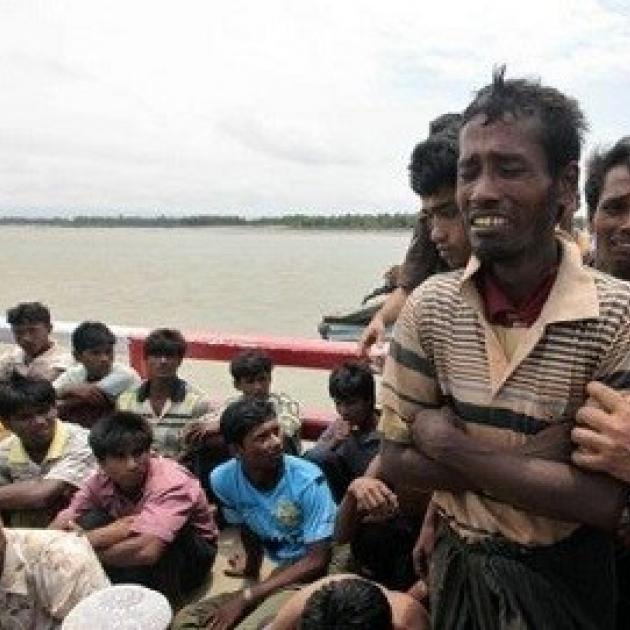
(147, 517)
(88, 390)
(43, 576)
(283, 507)
(37, 355)
(348, 445)
(348, 601)
(174, 408)
(44, 461)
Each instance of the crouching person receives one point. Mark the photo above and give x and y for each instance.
(146, 516)
(283, 507)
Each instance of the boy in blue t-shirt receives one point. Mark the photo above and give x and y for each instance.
(282, 505)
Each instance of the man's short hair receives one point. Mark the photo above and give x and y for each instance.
(91, 335)
(242, 416)
(562, 123)
(598, 165)
(120, 433)
(23, 393)
(165, 342)
(352, 380)
(28, 313)
(433, 163)
(249, 364)
(347, 603)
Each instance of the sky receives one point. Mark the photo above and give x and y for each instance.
(267, 108)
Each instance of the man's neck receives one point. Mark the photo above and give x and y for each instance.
(161, 387)
(263, 478)
(519, 277)
(37, 455)
(30, 357)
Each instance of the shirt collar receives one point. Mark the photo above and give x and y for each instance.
(13, 578)
(572, 297)
(18, 455)
(177, 395)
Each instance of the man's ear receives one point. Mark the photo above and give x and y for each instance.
(568, 194)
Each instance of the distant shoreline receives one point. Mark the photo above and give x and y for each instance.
(383, 221)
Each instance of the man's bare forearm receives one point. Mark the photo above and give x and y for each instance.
(32, 495)
(404, 466)
(392, 306)
(548, 488)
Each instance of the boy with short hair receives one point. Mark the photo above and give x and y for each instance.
(177, 410)
(348, 445)
(89, 389)
(44, 461)
(283, 507)
(37, 355)
(146, 516)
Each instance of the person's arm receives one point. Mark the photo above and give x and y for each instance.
(549, 488)
(246, 564)
(308, 568)
(135, 551)
(602, 434)
(386, 315)
(365, 495)
(33, 494)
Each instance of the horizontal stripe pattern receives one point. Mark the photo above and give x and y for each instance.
(439, 356)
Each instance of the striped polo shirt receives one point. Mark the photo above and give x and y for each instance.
(445, 352)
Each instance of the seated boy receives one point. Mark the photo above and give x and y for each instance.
(44, 461)
(251, 374)
(283, 507)
(43, 576)
(174, 408)
(348, 601)
(348, 445)
(147, 517)
(37, 354)
(88, 390)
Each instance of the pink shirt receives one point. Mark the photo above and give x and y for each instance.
(171, 499)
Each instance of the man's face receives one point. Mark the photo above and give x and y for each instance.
(504, 189)
(257, 386)
(446, 227)
(162, 365)
(33, 338)
(127, 471)
(97, 361)
(262, 446)
(357, 412)
(35, 427)
(611, 223)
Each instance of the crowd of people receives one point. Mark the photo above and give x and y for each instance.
(485, 485)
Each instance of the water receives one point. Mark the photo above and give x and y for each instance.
(246, 280)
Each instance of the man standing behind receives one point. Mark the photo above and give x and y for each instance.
(486, 367)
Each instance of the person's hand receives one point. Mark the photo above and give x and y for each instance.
(228, 614)
(198, 431)
(602, 434)
(340, 432)
(87, 394)
(374, 332)
(435, 430)
(552, 443)
(373, 498)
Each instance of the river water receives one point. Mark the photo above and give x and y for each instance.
(248, 280)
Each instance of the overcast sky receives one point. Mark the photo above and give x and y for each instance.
(267, 107)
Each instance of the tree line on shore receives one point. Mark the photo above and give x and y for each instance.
(381, 221)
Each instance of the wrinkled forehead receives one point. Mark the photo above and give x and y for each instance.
(507, 134)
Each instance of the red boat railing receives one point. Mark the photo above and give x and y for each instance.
(283, 351)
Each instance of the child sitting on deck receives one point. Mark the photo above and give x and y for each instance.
(178, 412)
(44, 461)
(88, 390)
(146, 516)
